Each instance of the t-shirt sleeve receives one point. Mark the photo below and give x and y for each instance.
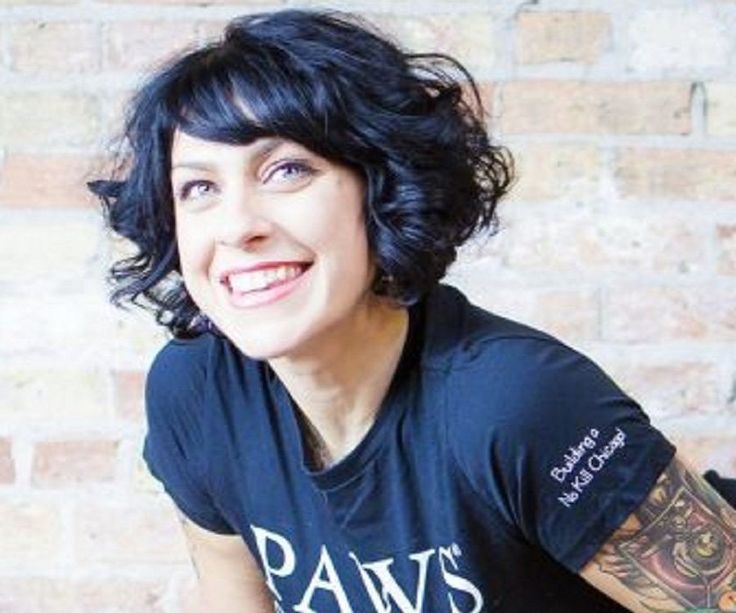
(547, 438)
(173, 446)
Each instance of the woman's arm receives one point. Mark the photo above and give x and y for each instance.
(677, 552)
(228, 577)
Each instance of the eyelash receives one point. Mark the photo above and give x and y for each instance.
(302, 168)
(184, 192)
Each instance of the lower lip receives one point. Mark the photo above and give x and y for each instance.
(263, 297)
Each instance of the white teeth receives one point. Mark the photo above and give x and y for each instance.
(260, 279)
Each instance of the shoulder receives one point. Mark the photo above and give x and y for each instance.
(500, 366)
(180, 369)
(464, 336)
(184, 353)
(524, 370)
(184, 370)
(178, 444)
(453, 324)
(513, 388)
(519, 388)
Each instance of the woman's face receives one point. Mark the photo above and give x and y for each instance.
(271, 240)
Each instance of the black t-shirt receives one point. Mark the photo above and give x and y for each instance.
(499, 463)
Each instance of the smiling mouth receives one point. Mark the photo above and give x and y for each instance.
(253, 281)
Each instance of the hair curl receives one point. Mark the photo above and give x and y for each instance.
(412, 124)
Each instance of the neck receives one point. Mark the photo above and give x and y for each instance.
(340, 384)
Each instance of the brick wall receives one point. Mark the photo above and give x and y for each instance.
(620, 237)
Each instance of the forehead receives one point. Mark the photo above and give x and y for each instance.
(190, 150)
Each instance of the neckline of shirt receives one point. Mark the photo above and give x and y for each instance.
(390, 411)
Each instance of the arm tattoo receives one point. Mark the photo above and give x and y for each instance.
(679, 547)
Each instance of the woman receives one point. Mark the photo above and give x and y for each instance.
(340, 431)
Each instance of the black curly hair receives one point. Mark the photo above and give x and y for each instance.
(412, 124)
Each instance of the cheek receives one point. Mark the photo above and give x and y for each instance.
(194, 249)
(339, 226)
(344, 241)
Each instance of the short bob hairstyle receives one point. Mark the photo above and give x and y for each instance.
(412, 125)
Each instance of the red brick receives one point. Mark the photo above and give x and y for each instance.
(114, 107)
(137, 333)
(721, 109)
(469, 37)
(36, 395)
(655, 314)
(129, 389)
(203, 3)
(46, 181)
(71, 260)
(143, 45)
(688, 37)
(60, 463)
(677, 174)
(7, 465)
(28, 594)
(32, 534)
(671, 389)
(726, 241)
(121, 594)
(570, 314)
(557, 170)
(142, 531)
(602, 243)
(643, 314)
(710, 451)
(595, 108)
(63, 47)
(561, 36)
(32, 119)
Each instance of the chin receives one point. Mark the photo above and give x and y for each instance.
(257, 348)
(266, 344)
(294, 330)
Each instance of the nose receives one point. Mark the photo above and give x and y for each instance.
(242, 222)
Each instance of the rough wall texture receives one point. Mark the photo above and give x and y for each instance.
(620, 237)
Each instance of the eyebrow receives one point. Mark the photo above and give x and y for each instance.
(259, 149)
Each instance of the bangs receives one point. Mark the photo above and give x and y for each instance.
(238, 96)
(337, 86)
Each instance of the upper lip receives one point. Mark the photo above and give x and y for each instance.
(225, 274)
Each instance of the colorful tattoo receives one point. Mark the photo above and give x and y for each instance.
(679, 547)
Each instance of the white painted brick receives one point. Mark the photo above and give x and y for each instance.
(721, 109)
(59, 249)
(31, 534)
(678, 39)
(50, 395)
(145, 530)
(607, 138)
(73, 328)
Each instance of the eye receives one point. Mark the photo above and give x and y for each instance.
(288, 171)
(193, 190)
